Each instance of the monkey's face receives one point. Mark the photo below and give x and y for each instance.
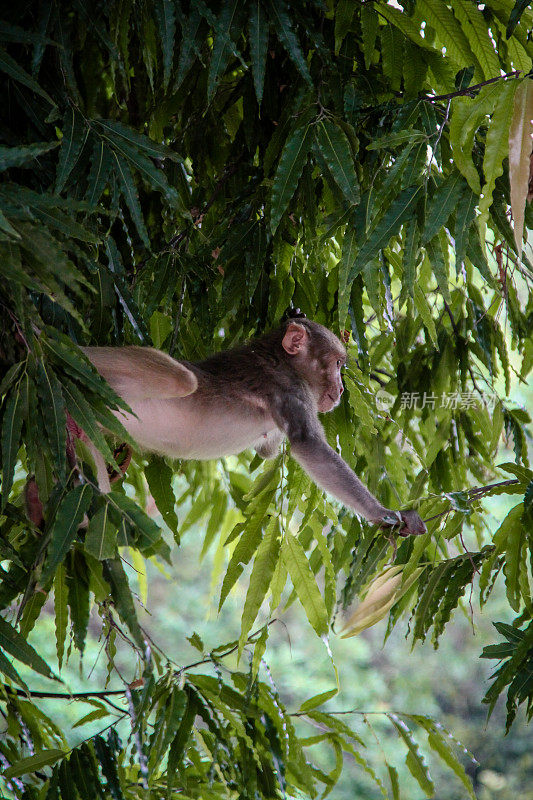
(318, 356)
(330, 387)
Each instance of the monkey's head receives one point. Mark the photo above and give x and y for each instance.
(318, 356)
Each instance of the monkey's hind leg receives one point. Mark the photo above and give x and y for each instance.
(142, 373)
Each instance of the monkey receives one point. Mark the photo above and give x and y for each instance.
(252, 396)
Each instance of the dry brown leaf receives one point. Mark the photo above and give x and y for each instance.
(520, 148)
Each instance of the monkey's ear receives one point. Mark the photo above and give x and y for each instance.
(295, 339)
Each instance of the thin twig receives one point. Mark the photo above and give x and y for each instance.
(432, 98)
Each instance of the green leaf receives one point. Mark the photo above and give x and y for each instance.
(290, 167)
(283, 28)
(392, 55)
(349, 250)
(441, 18)
(265, 562)
(414, 760)
(305, 584)
(11, 430)
(318, 700)
(226, 31)
(33, 763)
(61, 611)
(117, 133)
(468, 115)
(438, 743)
(343, 20)
(411, 248)
(11, 68)
(123, 599)
(159, 477)
(9, 670)
(101, 164)
(82, 413)
(101, 536)
(497, 143)
(387, 226)
(74, 136)
(24, 155)
(335, 148)
(53, 411)
(129, 192)
(515, 15)
(369, 29)
(442, 204)
(12, 642)
(165, 12)
(477, 32)
(463, 220)
(145, 529)
(68, 518)
(258, 33)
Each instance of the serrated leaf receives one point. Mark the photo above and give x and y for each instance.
(318, 700)
(33, 763)
(349, 250)
(290, 167)
(117, 133)
(101, 536)
(122, 598)
(515, 15)
(265, 562)
(468, 115)
(335, 148)
(129, 192)
(159, 477)
(24, 155)
(258, 29)
(82, 413)
(442, 204)
(53, 411)
(61, 611)
(439, 266)
(520, 147)
(497, 144)
(463, 220)
(68, 518)
(11, 430)
(414, 760)
(441, 18)
(392, 54)
(10, 67)
(343, 20)
(101, 164)
(12, 642)
(478, 34)
(438, 743)
(74, 137)
(143, 526)
(369, 29)
(165, 12)
(283, 27)
(387, 226)
(9, 671)
(304, 583)
(225, 32)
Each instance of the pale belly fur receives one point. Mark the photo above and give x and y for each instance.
(181, 429)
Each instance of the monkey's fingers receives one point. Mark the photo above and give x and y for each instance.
(413, 524)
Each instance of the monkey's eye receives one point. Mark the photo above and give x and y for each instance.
(340, 363)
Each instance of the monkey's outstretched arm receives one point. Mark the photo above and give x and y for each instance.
(140, 373)
(310, 448)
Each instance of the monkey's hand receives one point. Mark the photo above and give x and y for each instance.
(409, 522)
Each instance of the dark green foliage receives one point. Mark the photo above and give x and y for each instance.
(179, 174)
